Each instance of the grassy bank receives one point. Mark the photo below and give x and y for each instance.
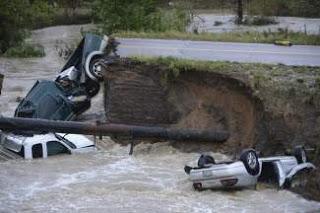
(276, 79)
(229, 67)
(245, 37)
(25, 50)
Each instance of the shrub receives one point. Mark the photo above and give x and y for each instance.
(41, 13)
(113, 15)
(168, 20)
(13, 18)
(142, 15)
(25, 50)
(305, 8)
(259, 20)
(16, 16)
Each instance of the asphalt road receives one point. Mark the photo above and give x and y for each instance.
(223, 51)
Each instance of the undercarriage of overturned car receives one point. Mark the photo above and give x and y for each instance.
(249, 170)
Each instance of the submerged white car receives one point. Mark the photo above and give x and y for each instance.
(44, 145)
(248, 170)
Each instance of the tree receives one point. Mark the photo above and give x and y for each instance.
(17, 16)
(115, 15)
(70, 6)
(14, 18)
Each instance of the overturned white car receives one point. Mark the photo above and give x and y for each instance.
(248, 170)
(43, 145)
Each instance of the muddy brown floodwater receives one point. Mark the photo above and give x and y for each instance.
(109, 180)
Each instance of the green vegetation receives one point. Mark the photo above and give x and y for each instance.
(247, 37)
(300, 8)
(266, 80)
(46, 13)
(58, 16)
(17, 17)
(259, 20)
(147, 18)
(230, 67)
(40, 14)
(13, 18)
(82, 16)
(144, 19)
(25, 51)
(141, 15)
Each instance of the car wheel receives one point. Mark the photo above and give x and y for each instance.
(93, 66)
(96, 68)
(205, 159)
(250, 160)
(300, 154)
(92, 88)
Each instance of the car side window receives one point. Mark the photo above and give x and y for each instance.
(37, 151)
(55, 148)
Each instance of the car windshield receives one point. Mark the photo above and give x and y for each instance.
(69, 143)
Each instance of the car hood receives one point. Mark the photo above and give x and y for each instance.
(79, 141)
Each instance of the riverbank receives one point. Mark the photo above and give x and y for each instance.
(270, 107)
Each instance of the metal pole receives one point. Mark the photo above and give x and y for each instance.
(42, 125)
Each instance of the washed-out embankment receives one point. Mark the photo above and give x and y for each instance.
(268, 107)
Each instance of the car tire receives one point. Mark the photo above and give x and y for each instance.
(96, 68)
(250, 161)
(92, 88)
(93, 66)
(300, 154)
(205, 159)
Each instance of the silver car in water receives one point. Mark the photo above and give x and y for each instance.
(248, 170)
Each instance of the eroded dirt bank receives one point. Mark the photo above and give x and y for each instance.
(271, 108)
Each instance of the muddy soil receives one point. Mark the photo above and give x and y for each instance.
(195, 100)
(216, 102)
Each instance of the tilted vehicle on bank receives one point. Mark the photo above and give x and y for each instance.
(44, 145)
(70, 93)
(248, 170)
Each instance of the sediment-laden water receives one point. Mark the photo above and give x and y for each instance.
(109, 180)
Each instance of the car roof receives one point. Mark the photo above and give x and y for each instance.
(39, 138)
(80, 141)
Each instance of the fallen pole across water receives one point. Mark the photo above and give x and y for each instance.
(135, 132)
